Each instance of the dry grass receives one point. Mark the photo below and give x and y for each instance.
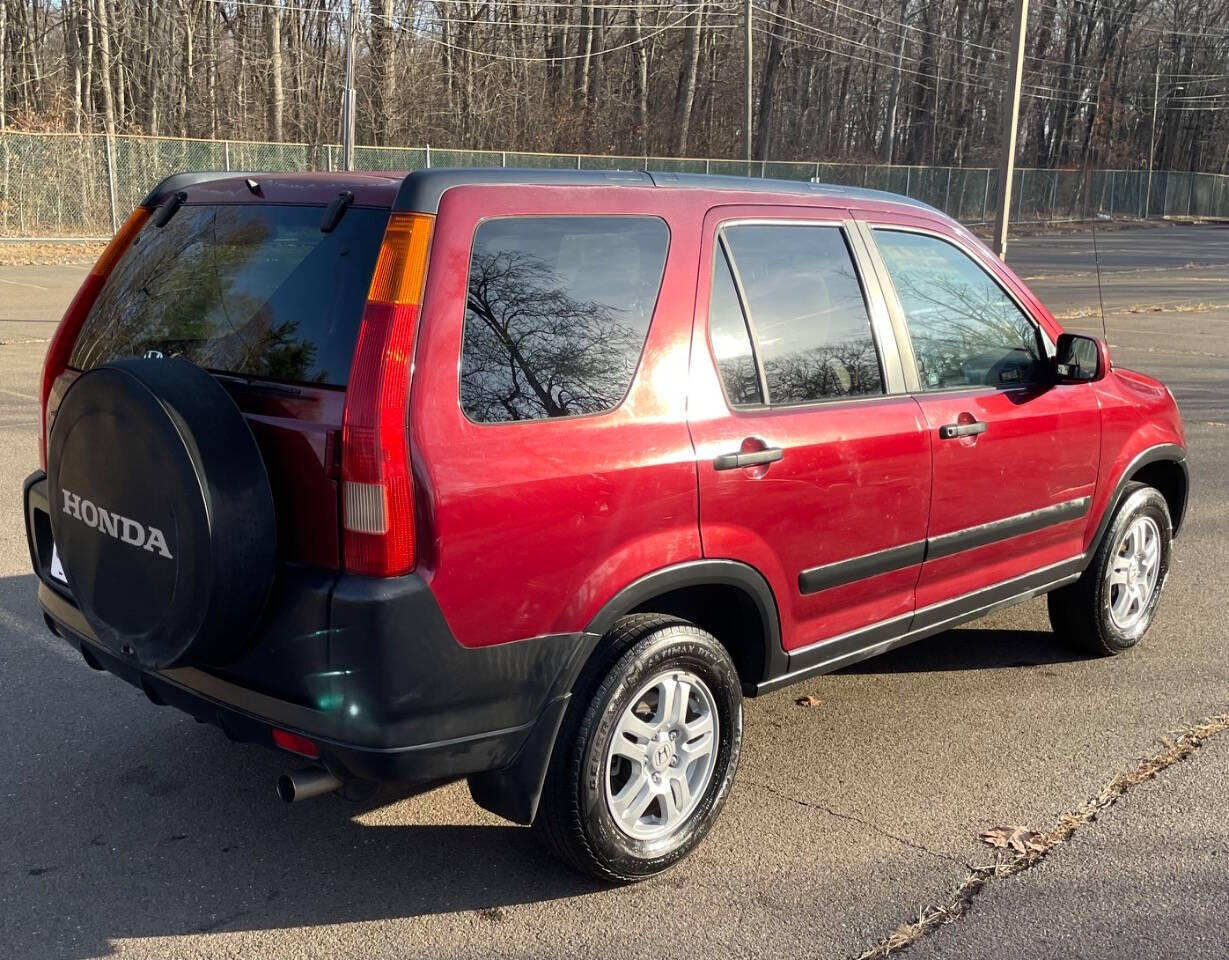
(1118, 274)
(1171, 306)
(1186, 743)
(1180, 306)
(39, 254)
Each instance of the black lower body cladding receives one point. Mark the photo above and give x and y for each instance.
(366, 668)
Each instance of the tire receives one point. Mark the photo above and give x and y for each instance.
(589, 775)
(1101, 617)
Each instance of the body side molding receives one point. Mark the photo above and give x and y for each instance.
(946, 544)
(837, 574)
(842, 572)
(849, 648)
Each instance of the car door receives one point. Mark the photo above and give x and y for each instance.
(1015, 456)
(814, 465)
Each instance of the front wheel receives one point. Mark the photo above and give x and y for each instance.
(647, 753)
(1113, 603)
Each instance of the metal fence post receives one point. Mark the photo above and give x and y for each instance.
(428, 156)
(1112, 178)
(110, 149)
(908, 177)
(1053, 195)
(985, 197)
(1020, 198)
(226, 155)
(947, 197)
(708, 166)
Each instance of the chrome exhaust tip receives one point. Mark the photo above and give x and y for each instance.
(305, 784)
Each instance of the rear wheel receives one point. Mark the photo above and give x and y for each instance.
(1113, 603)
(647, 754)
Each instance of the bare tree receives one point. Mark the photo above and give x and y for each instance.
(838, 80)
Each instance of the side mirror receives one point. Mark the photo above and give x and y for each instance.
(1080, 359)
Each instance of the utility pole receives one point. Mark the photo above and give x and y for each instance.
(747, 11)
(894, 95)
(348, 95)
(1156, 95)
(1011, 122)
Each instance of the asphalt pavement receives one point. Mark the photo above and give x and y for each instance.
(130, 830)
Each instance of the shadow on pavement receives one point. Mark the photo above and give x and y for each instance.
(123, 820)
(973, 649)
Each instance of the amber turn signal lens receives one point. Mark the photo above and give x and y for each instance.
(401, 268)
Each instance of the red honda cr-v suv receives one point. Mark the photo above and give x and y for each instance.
(529, 477)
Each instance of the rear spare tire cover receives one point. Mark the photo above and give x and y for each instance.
(161, 512)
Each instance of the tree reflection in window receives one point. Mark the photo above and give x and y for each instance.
(242, 288)
(813, 332)
(557, 311)
(965, 330)
(727, 328)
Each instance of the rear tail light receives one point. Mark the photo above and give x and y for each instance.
(65, 336)
(377, 494)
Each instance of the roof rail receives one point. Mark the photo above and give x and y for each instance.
(422, 189)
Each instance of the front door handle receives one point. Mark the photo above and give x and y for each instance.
(951, 430)
(747, 458)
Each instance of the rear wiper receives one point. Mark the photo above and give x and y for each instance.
(335, 211)
(169, 208)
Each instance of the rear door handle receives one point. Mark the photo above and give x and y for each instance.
(951, 430)
(749, 458)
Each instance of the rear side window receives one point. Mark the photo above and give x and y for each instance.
(252, 289)
(806, 311)
(556, 315)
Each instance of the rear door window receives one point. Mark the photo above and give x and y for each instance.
(251, 289)
(807, 313)
(556, 314)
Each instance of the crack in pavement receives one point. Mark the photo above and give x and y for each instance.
(921, 848)
(1188, 741)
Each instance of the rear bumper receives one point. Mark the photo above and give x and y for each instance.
(365, 668)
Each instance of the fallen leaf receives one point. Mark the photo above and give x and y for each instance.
(808, 701)
(1019, 839)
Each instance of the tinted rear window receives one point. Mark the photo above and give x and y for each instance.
(251, 289)
(556, 314)
(812, 328)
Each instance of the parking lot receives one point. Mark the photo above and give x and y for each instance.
(131, 830)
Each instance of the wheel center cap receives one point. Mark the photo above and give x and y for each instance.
(661, 755)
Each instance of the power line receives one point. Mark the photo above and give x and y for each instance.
(1034, 90)
(980, 85)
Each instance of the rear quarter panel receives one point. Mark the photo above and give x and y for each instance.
(527, 528)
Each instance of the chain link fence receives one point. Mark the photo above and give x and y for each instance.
(83, 185)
